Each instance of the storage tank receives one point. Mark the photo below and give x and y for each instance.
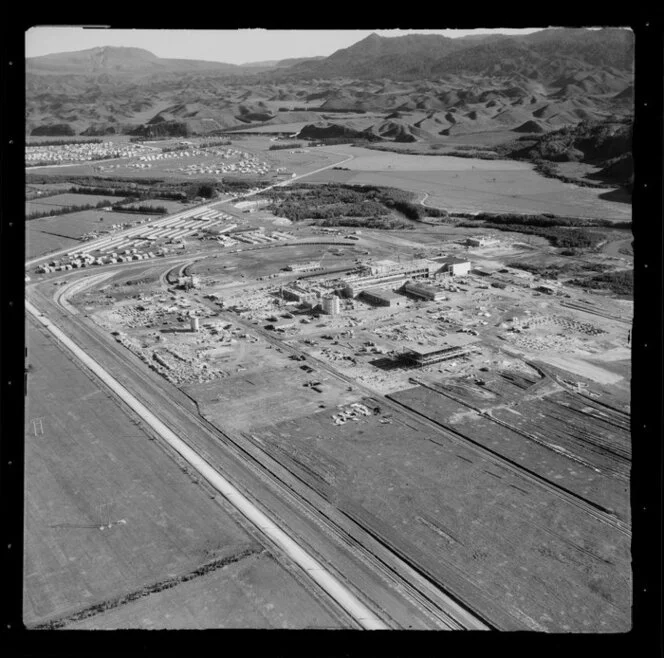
(330, 305)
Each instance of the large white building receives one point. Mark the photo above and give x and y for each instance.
(423, 291)
(387, 273)
(455, 266)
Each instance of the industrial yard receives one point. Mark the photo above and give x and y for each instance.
(320, 354)
(148, 531)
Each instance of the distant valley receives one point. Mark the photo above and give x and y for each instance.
(428, 91)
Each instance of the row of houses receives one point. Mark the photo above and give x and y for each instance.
(62, 153)
(87, 260)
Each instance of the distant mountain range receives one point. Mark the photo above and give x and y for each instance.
(547, 52)
(136, 62)
(551, 52)
(437, 86)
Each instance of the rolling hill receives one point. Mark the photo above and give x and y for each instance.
(410, 88)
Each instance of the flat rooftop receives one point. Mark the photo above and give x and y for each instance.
(385, 293)
(455, 340)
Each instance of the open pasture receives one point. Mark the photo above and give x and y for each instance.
(371, 160)
(87, 465)
(306, 158)
(273, 128)
(171, 206)
(473, 185)
(489, 190)
(256, 592)
(63, 200)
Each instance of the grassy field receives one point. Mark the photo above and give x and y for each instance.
(52, 233)
(275, 128)
(520, 191)
(63, 200)
(38, 243)
(473, 185)
(89, 465)
(92, 464)
(370, 160)
(33, 188)
(311, 159)
(171, 206)
(253, 593)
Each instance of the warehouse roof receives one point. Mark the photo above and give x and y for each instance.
(450, 342)
(385, 293)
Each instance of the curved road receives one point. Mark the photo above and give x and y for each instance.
(135, 229)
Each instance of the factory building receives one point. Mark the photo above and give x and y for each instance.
(381, 297)
(297, 293)
(331, 305)
(390, 274)
(422, 291)
(421, 357)
(311, 266)
(455, 266)
(481, 241)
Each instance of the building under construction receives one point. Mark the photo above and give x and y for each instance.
(422, 291)
(381, 297)
(454, 265)
(421, 357)
(311, 266)
(388, 274)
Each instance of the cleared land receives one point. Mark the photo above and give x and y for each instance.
(370, 160)
(92, 466)
(253, 593)
(474, 185)
(561, 436)
(492, 537)
(67, 199)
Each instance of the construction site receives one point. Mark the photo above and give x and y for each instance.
(429, 397)
(442, 405)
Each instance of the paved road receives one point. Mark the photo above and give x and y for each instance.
(391, 586)
(531, 477)
(136, 229)
(314, 569)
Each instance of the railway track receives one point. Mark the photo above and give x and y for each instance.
(434, 604)
(444, 607)
(340, 594)
(589, 508)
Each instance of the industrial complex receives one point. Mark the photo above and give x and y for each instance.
(321, 368)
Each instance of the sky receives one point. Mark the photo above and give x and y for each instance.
(231, 46)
